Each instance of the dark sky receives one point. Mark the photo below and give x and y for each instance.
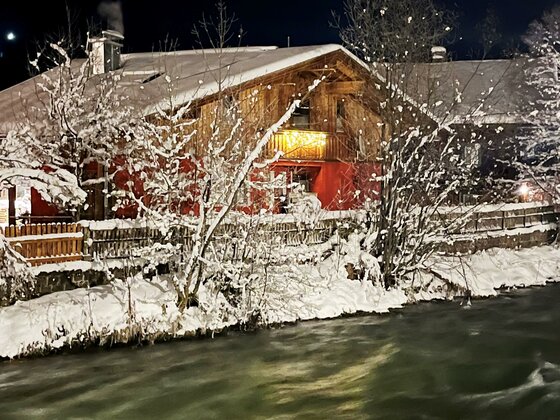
(266, 22)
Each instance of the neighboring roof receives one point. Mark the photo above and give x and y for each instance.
(146, 77)
(479, 92)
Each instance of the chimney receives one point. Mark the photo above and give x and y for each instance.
(439, 54)
(105, 51)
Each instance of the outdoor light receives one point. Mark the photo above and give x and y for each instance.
(523, 191)
(10, 36)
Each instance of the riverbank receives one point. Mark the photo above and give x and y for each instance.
(139, 309)
(495, 359)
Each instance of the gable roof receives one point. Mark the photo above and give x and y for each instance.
(481, 92)
(145, 78)
(197, 74)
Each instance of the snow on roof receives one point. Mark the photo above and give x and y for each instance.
(480, 91)
(158, 80)
(490, 91)
(200, 73)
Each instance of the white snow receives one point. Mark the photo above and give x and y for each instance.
(293, 292)
(486, 272)
(488, 208)
(500, 233)
(45, 236)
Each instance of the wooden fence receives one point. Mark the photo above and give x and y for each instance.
(124, 242)
(47, 243)
(507, 219)
(60, 242)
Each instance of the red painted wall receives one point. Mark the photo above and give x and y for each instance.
(338, 185)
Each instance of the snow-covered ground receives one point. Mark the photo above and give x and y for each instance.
(126, 310)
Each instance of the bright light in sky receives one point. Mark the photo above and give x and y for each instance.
(10, 36)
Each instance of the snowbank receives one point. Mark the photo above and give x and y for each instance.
(484, 273)
(127, 310)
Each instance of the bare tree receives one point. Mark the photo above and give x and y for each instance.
(75, 118)
(422, 163)
(199, 161)
(540, 162)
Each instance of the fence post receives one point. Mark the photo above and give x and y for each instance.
(86, 251)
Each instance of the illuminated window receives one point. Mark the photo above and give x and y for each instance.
(4, 207)
(472, 155)
(22, 203)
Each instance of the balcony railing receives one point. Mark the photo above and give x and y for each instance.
(311, 145)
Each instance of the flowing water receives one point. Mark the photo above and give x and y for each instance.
(499, 358)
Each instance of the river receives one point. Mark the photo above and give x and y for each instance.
(499, 358)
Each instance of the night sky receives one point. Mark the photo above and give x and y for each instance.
(147, 23)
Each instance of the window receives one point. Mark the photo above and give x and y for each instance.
(301, 116)
(4, 207)
(472, 155)
(340, 115)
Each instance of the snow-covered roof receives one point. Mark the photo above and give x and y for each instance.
(489, 91)
(146, 78)
(198, 73)
(480, 92)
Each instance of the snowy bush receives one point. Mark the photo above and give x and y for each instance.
(16, 278)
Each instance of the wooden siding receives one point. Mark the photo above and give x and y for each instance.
(262, 102)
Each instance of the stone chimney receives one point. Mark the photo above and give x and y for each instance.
(105, 51)
(439, 54)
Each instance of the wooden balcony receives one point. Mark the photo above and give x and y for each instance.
(311, 145)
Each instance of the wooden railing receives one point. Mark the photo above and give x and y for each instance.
(46, 243)
(503, 219)
(310, 145)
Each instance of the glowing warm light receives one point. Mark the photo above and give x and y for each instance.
(302, 141)
(523, 192)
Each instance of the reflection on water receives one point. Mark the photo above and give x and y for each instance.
(499, 358)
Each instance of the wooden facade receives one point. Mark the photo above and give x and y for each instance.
(333, 109)
(323, 145)
(326, 139)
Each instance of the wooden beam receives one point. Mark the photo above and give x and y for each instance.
(346, 70)
(322, 70)
(345, 88)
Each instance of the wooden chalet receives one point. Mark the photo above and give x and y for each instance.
(329, 145)
(329, 138)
